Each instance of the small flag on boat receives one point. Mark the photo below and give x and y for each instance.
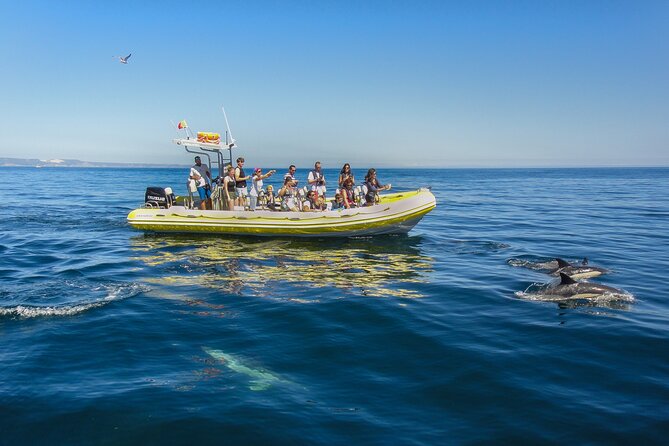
(182, 124)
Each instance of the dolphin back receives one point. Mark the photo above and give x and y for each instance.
(562, 263)
(566, 280)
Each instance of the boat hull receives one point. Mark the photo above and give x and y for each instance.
(396, 214)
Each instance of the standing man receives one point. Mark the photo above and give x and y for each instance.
(203, 170)
(291, 174)
(316, 180)
(202, 189)
(240, 182)
(204, 182)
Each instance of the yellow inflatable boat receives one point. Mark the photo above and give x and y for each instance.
(395, 213)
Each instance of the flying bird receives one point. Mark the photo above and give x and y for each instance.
(124, 59)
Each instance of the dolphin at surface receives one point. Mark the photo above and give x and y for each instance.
(544, 266)
(570, 289)
(556, 266)
(260, 379)
(582, 271)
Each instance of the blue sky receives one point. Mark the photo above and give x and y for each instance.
(397, 83)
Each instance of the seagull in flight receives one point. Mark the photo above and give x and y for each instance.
(124, 59)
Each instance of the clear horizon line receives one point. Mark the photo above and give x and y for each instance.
(377, 166)
(179, 166)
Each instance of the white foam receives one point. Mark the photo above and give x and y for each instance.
(115, 293)
(28, 311)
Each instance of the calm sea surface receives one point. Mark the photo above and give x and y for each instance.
(112, 336)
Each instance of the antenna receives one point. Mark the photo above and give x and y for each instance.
(227, 125)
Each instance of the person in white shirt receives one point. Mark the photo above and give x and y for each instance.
(202, 189)
(288, 195)
(316, 180)
(256, 185)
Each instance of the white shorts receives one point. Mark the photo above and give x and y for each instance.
(242, 191)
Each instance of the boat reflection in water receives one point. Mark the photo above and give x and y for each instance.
(381, 267)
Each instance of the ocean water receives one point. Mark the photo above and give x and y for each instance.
(113, 336)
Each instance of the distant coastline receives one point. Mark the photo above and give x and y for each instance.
(30, 162)
(34, 162)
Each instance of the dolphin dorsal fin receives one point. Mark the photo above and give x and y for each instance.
(585, 261)
(562, 263)
(566, 280)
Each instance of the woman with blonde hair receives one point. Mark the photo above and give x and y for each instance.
(229, 189)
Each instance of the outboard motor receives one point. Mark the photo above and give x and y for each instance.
(159, 197)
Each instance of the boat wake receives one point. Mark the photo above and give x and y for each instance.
(64, 298)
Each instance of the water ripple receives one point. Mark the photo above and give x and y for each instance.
(416, 339)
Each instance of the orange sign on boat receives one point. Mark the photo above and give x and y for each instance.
(208, 137)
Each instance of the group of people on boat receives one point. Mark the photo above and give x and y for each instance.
(233, 191)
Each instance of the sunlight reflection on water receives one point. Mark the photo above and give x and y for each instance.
(382, 267)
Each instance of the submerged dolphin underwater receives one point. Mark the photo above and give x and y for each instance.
(260, 379)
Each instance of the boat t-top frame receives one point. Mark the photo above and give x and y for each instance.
(222, 158)
(200, 147)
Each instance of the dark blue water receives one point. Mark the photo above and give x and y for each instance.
(111, 336)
